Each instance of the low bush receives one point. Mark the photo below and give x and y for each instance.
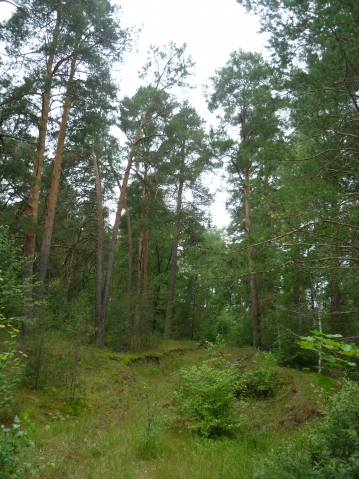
(13, 437)
(205, 398)
(329, 450)
(257, 382)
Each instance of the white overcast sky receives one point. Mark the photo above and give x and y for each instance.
(210, 28)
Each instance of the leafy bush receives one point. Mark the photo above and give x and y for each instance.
(217, 345)
(257, 382)
(333, 351)
(12, 288)
(292, 355)
(329, 450)
(152, 427)
(9, 363)
(13, 437)
(205, 399)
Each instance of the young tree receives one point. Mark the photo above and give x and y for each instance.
(244, 90)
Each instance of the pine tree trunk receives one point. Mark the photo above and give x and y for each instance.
(38, 161)
(100, 244)
(157, 292)
(54, 189)
(100, 333)
(129, 328)
(194, 307)
(171, 294)
(148, 321)
(142, 263)
(251, 265)
(140, 259)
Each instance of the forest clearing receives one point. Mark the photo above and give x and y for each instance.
(125, 420)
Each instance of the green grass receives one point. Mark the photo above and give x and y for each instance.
(120, 424)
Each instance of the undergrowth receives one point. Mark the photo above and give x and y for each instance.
(328, 450)
(126, 423)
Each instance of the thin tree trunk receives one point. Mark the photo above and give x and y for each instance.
(38, 161)
(157, 292)
(254, 301)
(100, 243)
(194, 305)
(172, 284)
(129, 272)
(139, 283)
(100, 333)
(68, 274)
(142, 261)
(320, 356)
(148, 321)
(251, 265)
(334, 309)
(54, 189)
(335, 298)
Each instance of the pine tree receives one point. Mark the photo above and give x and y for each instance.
(244, 89)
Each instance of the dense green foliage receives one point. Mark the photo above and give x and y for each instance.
(331, 348)
(205, 399)
(13, 437)
(12, 288)
(107, 246)
(286, 137)
(328, 450)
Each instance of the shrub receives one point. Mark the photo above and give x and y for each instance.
(13, 291)
(9, 363)
(258, 382)
(205, 399)
(11, 439)
(329, 450)
(14, 437)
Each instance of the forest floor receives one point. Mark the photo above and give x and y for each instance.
(104, 415)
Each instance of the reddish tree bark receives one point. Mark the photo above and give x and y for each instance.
(54, 188)
(129, 271)
(38, 160)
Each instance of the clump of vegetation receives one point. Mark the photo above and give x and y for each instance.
(327, 450)
(205, 399)
(13, 438)
(258, 382)
(152, 427)
(330, 348)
